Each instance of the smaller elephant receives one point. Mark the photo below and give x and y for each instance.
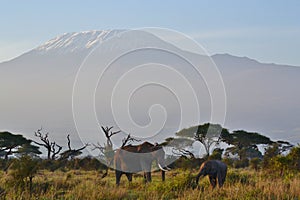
(216, 170)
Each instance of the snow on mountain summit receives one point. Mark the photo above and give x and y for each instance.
(76, 41)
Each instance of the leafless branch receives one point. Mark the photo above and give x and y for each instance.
(129, 139)
(50, 146)
(108, 134)
(183, 152)
(69, 142)
(71, 153)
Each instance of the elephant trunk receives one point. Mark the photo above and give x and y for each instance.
(199, 176)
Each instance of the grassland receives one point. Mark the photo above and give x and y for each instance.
(88, 185)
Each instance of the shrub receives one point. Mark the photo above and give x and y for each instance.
(23, 170)
(216, 154)
(241, 163)
(229, 161)
(187, 163)
(255, 163)
(294, 156)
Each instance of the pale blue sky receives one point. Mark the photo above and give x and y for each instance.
(268, 31)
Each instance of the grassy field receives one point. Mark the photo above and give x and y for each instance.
(85, 185)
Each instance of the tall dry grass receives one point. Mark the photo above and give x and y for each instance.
(87, 185)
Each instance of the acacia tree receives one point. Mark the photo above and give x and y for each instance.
(16, 144)
(209, 135)
(245, 144)
(180, 146)
(28, 149)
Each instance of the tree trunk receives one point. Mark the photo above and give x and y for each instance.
(7, 154)
(49, 154)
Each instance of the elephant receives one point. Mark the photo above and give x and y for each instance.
(216, 170)
(136, 158)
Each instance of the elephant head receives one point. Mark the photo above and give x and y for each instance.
(158, 154)
(216, 171)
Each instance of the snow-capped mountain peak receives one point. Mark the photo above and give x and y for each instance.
(76, 41)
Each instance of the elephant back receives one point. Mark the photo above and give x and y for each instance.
(145, 147)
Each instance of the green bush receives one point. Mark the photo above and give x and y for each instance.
(22, 171)
(241, 163)
(187, 163)
(172, 187)
(216, 154)
(255, 163)
(228, 161)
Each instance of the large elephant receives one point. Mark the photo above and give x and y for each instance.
(216, 170)
(136, 158)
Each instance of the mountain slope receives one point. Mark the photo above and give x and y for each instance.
(36, 89)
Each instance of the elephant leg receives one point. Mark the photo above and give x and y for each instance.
(220, 180)
(163, 175)
(221, 177)
(118, 176)
(148, 177)
(145, 178)
(224, 176)
(129, 176)
(213, 181)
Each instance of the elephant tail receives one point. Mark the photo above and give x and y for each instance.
(105, 174)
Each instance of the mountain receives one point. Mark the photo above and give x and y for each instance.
(36, 89)
(262, 97)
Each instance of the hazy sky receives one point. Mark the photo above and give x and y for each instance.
(268, 31)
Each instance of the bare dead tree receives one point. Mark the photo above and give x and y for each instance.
(51, 147)
(99, 147)
(108, 134)
(55, 151)
(71, 153)
(106, 149)
(128, 140)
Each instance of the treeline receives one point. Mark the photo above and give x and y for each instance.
(21, 158)
(17, 145)
(15, 148)
(242, 149)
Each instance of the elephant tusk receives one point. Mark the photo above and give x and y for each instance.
(160, 167)
(168, 168)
